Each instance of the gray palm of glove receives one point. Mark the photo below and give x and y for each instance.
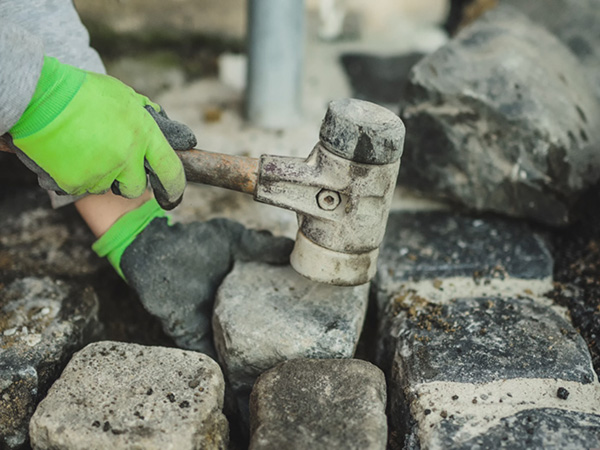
(176, 271)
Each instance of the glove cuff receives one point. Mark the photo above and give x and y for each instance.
(56, 87)
(123, 232)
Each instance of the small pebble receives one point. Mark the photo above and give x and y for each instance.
(562, 393)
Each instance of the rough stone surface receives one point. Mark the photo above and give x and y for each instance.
(475, 352)
(42, 322)
(117, 395)
(507, 130)
(442, 244)
(477, 340)
(539, 428)
(268, 314)
(319, 404)
(575, 22)
(37, 240)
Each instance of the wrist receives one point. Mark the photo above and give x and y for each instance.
(113, 243)
(56, 87)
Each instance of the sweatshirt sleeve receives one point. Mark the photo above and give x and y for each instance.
(21, 58)
(30, 29)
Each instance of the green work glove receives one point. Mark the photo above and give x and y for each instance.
(84, 132)
(177, 269)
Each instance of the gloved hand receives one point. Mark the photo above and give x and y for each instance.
(177, 269)
(84, 132)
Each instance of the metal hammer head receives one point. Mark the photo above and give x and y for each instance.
(342, 192)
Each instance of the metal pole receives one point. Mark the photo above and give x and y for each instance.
(275, 56)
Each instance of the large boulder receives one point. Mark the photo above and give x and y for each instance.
(574, 22)
(502, 119)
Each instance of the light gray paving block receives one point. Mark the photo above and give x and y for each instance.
(268, 314)
(123, 396)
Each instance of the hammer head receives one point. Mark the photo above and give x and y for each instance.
(342, 192)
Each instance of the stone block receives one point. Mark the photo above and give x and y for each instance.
(118, 395)
(468, 370)
(443, 244)
(478, 340)
(319, 404)
(501, 119)
(42, 323)
(268, 314)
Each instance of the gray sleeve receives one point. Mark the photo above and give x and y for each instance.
(30, 29)
(21, 58)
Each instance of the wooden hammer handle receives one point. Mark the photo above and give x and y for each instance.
(238, 173)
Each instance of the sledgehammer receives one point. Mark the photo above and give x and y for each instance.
(341, 192)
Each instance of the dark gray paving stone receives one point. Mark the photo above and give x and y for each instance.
(516, 351)
(485, 131)
(42, 323)
(115, 395)
(534, 429)
(441, 244)
(478, 340)
(319, 404)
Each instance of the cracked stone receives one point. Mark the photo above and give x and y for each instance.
(42, 323)
(268, 314)
(319, 404)
(119, 395)
(485, 133)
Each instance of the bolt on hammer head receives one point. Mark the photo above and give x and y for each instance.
(342, 192)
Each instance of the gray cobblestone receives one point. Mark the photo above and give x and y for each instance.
(319, 404)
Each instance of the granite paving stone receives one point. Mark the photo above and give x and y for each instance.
(442, 244)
